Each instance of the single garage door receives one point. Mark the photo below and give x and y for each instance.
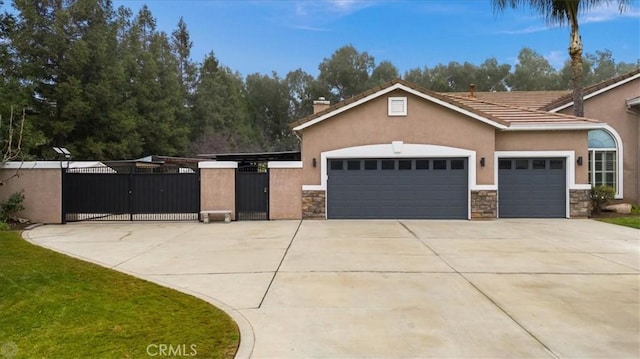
(532, 187)
(397, 188)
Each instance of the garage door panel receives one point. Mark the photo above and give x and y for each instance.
(398, 193)
(529, 192)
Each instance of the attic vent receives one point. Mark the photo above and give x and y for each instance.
(397, 106)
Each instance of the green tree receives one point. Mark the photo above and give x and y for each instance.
(221, 112)
(561, 12)
(66, 58)
(269, 105)
(303, 90)
(533, 72)
(384, 72)
(346, 73)
(492, 76)
(154, 88)
(624, 67)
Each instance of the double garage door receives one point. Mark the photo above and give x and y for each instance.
(397, 188)
(437, 188)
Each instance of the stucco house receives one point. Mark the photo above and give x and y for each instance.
(402, 151)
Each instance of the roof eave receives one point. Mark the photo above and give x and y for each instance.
(556, 127)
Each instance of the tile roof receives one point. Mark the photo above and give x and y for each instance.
(568, 99)
(519, 113)
(526, 99)
(516, 116)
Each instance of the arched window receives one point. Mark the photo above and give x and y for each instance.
(603, 156)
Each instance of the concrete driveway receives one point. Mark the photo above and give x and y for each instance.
(392, 289)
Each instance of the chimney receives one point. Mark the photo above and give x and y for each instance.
(472, 90)
(320, 105)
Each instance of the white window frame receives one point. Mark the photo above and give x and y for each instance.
(391, 101)
(619, 161)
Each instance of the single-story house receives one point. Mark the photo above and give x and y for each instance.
(402, 151)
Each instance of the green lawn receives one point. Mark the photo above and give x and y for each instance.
(632, 221)
(54, 306)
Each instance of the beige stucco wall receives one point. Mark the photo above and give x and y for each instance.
(426, 123)
(218, 189)
(548, 141)
(610, 107)
(42, 193)
(285, 193)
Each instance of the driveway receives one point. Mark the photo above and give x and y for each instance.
(392, 289)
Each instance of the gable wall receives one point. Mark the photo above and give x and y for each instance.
(426, 123)
(610, 107)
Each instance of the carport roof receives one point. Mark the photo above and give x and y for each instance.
(498, 115)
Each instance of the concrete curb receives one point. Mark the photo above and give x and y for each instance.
(247, 335)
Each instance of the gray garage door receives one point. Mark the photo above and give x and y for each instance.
(532, 187)
(397, 188)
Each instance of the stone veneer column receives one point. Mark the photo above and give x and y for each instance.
(579, 203)
(313, 204)
(484, 204)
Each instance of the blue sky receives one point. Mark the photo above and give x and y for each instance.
(284, 35)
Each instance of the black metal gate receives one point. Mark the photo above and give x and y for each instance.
(130, 194)
(252, 192)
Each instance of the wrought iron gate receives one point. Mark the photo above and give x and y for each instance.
(130, 194)
(252, 192)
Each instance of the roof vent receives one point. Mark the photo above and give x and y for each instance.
(472, 90)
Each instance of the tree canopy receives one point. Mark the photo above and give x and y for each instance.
(107, 84)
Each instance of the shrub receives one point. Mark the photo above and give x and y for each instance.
(4, 226)
(10, 208)
(601, 196)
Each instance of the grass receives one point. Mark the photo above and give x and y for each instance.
(632, 221)
(54, 306)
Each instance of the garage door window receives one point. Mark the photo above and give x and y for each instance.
(388, 164)
(404, 164)
(336, 165)
(457, 164)
(370, 165)
(353, 165)
(603, 166)
(422, 164)
(439, 164)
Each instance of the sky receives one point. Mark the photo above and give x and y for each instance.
(286, 35)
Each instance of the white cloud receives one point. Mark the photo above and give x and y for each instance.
(527, 30)
(557, 58)
(601, 13)
(608, 12)
(316, 15)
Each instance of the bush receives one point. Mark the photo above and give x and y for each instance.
(601, 196)
(4, 226)
(10, 208)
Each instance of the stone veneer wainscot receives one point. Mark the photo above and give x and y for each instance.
(484, 204)
(313, 204)
(580, 203)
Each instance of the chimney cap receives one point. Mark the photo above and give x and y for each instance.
(321, 101)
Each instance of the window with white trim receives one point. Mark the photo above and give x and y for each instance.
(603, 155)
(397, 106)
